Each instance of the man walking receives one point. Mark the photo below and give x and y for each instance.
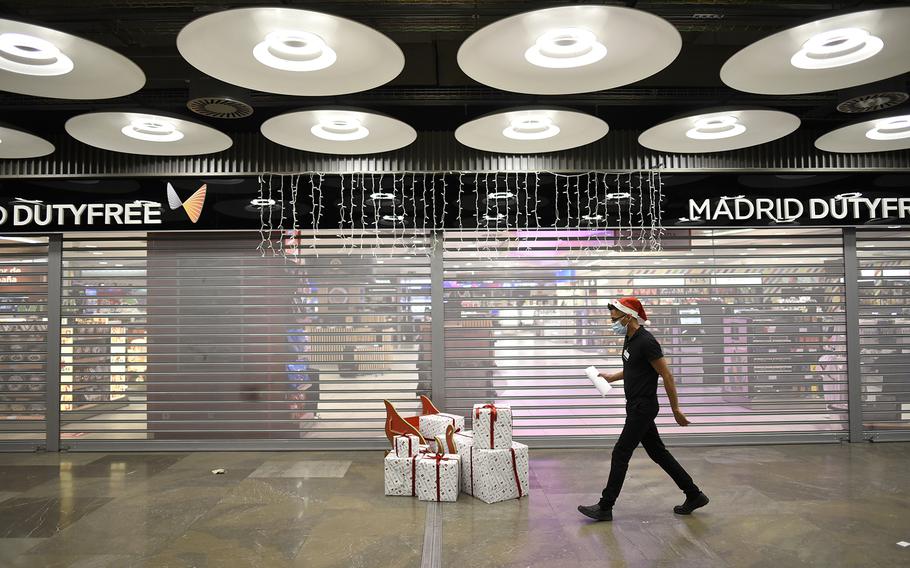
(642, 362)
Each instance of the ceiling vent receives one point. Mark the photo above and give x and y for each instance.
(872, 102)
(215, 99)
(877, 96)
(220, 107)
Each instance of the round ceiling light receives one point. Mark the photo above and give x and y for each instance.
(719, 130)
(533, 130)
(875, 135)
(40, 61)
(297, 51)
(894, 128)
(150, 134)
(290, 51)
(716, 128)
(569, 49)
(152, 129)
(338, 131)
(16, 144)
(831, 53)
(836, 48)
(340, 128)
(565, 48)
(30, 55)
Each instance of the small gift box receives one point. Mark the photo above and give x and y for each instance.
(432, 425)
(400, 475)
(438, 477)
(406, 446)
(492, 427)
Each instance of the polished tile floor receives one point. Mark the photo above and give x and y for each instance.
(778, 506)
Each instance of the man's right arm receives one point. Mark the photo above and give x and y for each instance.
(612, 378)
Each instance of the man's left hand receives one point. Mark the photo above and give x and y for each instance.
(680, 417)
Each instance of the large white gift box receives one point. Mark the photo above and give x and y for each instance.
(493, 475)
(432, 425)
(406, 446)
(492, 427)
(438, 477)
(401, 475)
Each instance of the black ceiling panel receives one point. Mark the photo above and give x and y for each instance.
(431, 93)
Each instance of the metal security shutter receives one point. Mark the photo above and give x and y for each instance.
(884, 324)
(751, 319)
(204, 342)
(23, 340)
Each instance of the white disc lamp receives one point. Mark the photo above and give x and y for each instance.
(338, 131)
(146, 133)
(882, 134)
(17, 144)
(44, 62)
(290, 51)
(832, 53)
(569, 49)
(531, 130)
(719, 130)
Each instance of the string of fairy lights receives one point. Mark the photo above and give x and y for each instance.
(364, 213)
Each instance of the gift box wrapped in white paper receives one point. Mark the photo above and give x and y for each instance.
(406, 446)
(493, 475)
(492, 427)
(432, 425)
(400, 475)
(438, 477)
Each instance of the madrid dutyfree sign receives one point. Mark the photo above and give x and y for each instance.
(846, 207)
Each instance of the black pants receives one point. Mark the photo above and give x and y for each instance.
(640, 427)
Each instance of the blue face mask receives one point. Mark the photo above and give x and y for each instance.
(619, 328)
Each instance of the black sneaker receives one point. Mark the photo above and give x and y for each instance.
(596, 513)
(691, 504)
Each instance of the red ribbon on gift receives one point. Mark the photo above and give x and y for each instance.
(515, 471)
(410, 447)
(414, 468)
(472, 468)
(439, 458)
(493, 412)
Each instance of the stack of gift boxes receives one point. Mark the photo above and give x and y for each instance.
(487, 464)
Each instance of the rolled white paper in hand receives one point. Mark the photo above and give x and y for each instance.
(600, 383)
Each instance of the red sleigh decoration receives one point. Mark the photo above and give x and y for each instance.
(397, 425)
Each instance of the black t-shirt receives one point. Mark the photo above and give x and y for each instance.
(639, 377)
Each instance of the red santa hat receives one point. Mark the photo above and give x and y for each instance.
(631, 306)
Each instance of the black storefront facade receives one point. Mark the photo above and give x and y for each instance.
(777, 278)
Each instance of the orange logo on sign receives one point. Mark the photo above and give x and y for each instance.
(192, 206)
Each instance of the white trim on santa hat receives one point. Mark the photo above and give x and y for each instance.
(627, 310)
